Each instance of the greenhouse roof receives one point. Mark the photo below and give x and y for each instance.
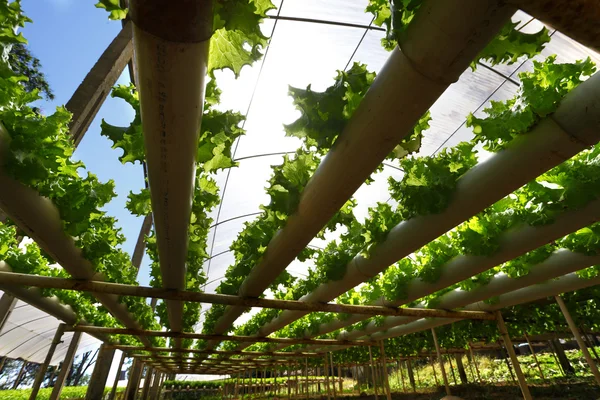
(309, 42)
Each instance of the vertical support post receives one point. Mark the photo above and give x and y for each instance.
(20, 375)
(319, 380)
(340, 378)
(373, 372)
(513, 356)
(401, 375)
(452, 369)
(7, 303)
(66, 366)
(437, 383)
(155, 385)
(590, 342)
(418, 377)
(474, 361)
(357, 379)
(327, 376)
(306, 370)
(535, 358)
(505, 356)
(441, 361)
(461, 368)
(134, 380)
(332, 376)
(100, 373)
(411, 375)
(147, 381)
(385, 373)
(39, 378)
(575, 331)
(113, 391)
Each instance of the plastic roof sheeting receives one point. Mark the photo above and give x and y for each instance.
(28, 333)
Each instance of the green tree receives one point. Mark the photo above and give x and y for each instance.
(24, 63)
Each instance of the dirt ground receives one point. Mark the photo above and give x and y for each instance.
(570, 391)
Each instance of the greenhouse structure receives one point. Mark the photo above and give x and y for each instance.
(301, 199)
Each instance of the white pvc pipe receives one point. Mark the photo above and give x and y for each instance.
(574, 127)
(513, 243)
(558, 264)
(439, 44)
(40, 220)
(171, 42)
(566, 283)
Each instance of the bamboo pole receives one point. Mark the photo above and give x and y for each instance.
(247, 339)
(332, 376)
(411, 375)
(582, 346)
(513, 356)
(452, 371)
(474, 362)
(373, 373)
(437, 383)
(327, 377)
(588, 343)
(385, 373)
(535, 358)
(39, 378)
(591, 343)
(66, 366)
(306, 370)
(19, 375)
(441, 361)
(357, 380)
(505, 356)
(12, 278)
(401, 375)
(282, 354)
(418, 376)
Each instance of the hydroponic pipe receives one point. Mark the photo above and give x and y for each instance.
(559, 263)
(513, 243)
(577, 19)
(40, 220)
(171, 40)
(566, 283)
(441, 41)
(573, 127)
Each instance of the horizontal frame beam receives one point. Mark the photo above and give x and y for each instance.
(48, 282)
(130, 349)
(243, 339)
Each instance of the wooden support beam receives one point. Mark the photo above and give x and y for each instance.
(385, 372)
(292, 354)
(513, 357)
(66, 367)
(100, 373)
(582, 346)
(41, 374)
(535, 358)
(47, 282)
(91, 93)
(243, 339)
(7, 303)
(113, 391)
(441, 361)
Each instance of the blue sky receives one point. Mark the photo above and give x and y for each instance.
(68, 36)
